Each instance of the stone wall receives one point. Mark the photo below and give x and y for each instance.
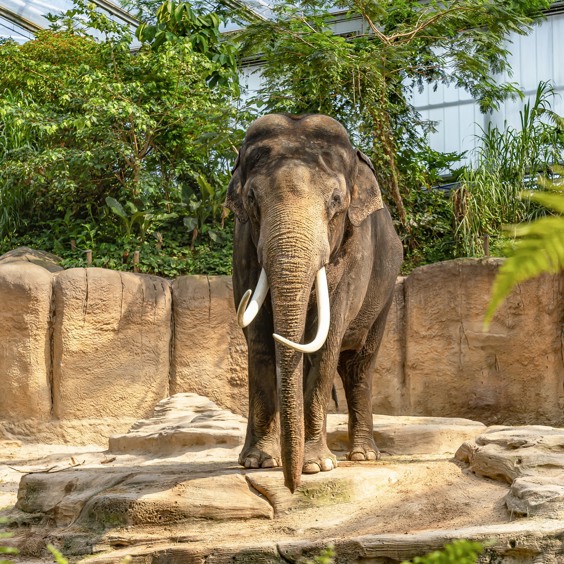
(83, 347)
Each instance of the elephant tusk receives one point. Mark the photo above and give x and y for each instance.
(246, 311)
(323, 315)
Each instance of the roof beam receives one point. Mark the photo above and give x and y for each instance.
(117, 11)
(18, 20)
(244, 10)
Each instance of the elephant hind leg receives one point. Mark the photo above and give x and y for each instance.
(355, 369)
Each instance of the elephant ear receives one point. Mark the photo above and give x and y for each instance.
(366, 197)
(234, 199)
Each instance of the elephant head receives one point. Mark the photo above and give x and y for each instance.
(301, 186)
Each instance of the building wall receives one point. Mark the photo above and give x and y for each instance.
(533, 58)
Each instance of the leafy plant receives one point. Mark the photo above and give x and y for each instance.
(6, 549)
(204, 205)
(101, 147)
(539, 247)
(365, 80)
(508, 162)
(326, 556)
(177, 22)
(457, 552)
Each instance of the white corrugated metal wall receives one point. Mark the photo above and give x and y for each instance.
(536, 57)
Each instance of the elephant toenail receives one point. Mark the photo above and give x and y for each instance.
(327, 465)
(269, 463)
(357, 456)
(311, 468)
(251, 463)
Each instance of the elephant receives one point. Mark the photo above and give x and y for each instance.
(308, 208)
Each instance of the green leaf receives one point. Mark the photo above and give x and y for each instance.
(191, 223)
(541, 249)
(116, 207)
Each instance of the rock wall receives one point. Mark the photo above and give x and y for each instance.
(85, 345)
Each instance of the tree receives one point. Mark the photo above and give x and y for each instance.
(84, 119)
(366, 80)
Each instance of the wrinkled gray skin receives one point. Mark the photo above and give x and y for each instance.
(304, 198)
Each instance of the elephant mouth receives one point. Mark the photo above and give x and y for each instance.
(251, 303)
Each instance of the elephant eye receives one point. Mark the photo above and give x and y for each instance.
(251, 197)
(336, 201)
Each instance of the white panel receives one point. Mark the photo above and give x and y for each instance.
(250, 80)
(545, 60)
(558, 49)
(558, 104)
(452, 93)
(528, 61)
(419, 99)
(437, 140)
(452, 128)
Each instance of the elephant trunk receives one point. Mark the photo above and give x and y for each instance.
(291, 263)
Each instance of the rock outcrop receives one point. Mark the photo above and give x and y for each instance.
(530, 458)
(111, 343)
(189, 501)
(25, 331)
(92, 344)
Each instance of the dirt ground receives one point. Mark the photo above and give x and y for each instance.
(430, 493)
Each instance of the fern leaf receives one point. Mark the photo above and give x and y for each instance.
(540, 249)
(552, 200)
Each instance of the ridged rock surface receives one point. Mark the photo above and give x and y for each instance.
(111, 343)
(531, 459)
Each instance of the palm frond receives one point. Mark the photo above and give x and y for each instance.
(540, 249)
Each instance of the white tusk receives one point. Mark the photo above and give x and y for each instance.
(323, 315)
(245, 314)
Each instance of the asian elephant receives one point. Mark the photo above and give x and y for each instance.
(308, 208)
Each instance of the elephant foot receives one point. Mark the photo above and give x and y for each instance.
(364, 450)
(318, 458)
(259, 457)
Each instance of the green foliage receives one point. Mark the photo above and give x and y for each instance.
(540, 244)
(430, 237)
(366, 80)
(6, 549)
(179, 22)
(508, 162)
(326, 556)
(457, 552)
(101, 148)
(59, 558)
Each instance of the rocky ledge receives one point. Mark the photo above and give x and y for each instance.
(171, 491)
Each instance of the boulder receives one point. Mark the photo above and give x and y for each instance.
(404, 435)
(25, 357)
(209, 353)
(453, 368)
(111, 345)
(529, 458)
(179, 423)
(49, 261)
(186, 422)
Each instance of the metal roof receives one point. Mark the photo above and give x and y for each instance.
(19, 19)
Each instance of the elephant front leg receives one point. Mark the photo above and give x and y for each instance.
(262, 442)
(317, 394)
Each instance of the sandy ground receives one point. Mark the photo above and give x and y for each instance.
(431, 492)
